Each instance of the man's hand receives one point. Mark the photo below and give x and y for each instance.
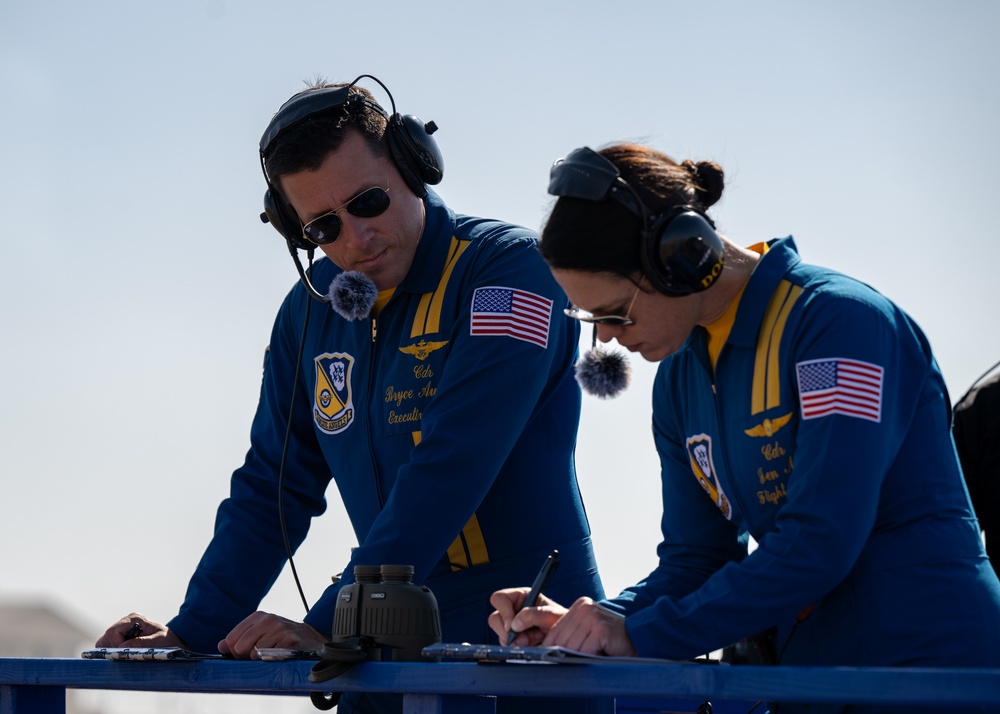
(530, 623)
(263, 629)
(145, 633)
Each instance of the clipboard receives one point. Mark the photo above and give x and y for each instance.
(146, 654)
(465, 652)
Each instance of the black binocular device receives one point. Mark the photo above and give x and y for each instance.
(383, 612)
(381, 617)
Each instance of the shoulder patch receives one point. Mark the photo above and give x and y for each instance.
(837, 385)
(515, 313)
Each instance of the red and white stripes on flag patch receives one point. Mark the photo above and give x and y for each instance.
(515, 313)
(837, 385)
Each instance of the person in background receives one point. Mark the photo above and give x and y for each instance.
(977, 437)
(792, 404)
(436, 394)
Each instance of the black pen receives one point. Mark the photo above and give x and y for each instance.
(134, 631)
(541, 580)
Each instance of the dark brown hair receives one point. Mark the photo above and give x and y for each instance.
(304, 146)
(603, 236)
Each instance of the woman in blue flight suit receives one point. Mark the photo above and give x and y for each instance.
(793, 404)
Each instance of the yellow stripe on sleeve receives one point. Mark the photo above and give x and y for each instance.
(469, 549)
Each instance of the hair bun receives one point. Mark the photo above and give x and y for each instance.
(709, 180)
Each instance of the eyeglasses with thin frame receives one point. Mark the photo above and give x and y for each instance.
(613, 320)
(325, 229)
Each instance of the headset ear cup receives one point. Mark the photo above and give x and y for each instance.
(682, 253)
(282, 216)
(415, 152)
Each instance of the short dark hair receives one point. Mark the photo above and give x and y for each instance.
(304, 146)
(603, 236)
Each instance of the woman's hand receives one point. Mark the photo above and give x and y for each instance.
(531, 623)
(587, 627)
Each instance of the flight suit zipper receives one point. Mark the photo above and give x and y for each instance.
(726, 478)
(369, 422)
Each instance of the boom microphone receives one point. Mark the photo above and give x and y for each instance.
(303, 277)
(352, 294)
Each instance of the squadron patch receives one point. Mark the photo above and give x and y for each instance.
(699, 450)
(333, 409)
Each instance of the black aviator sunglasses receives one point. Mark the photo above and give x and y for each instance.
(325, 229)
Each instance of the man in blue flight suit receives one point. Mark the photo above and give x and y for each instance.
(434, 412)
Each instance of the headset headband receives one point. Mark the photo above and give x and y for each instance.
(586, 174)
(679, 249)
(315, 101)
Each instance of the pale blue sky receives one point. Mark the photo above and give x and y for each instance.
(138, 285)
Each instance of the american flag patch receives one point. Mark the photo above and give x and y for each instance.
(515, 313)
(840, 386)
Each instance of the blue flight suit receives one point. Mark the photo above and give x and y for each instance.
(823, 434)
(448, 424)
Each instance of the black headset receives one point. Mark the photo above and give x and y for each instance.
(414, 150)
(680, 251)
